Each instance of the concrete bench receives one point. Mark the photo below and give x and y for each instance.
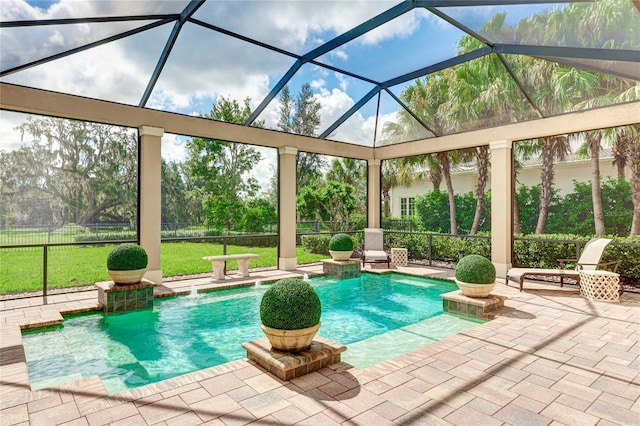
(218, 263)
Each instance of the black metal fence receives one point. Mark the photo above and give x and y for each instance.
(20, 235)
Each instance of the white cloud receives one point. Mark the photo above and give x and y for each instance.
(402, 27)
(339, 54)
(56, 39)
(391, 117)
(357, 128)
(318, 84)
(173, 147)
(263, 171)
(334, 104)
(10, 139)
(298, 26)
(342, 81)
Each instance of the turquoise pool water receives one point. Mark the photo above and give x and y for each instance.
(188, 333)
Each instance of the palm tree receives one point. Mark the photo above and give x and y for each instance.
(567, 87)
(603, 32)
(444, 159)
(555, 90)
(523, 150)
(633, 132)
(626, 145)
(484, 93)
(427, 98)
(429, 101)
(552, 148)
(610, 91)
(482, 166)
(593, 145)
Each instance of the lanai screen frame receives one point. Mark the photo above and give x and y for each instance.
(615, 60)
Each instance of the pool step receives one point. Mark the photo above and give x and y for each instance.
(478, 307)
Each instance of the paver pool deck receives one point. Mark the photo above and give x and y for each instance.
(550, 357)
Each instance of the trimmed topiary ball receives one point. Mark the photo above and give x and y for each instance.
(290, 304)
(475, 269)
(341, 242)
(127, 257)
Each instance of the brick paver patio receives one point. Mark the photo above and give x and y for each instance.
(550, 357)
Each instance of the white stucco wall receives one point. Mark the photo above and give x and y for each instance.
(463, 182)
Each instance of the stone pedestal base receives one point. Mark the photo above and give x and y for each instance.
(122, 298)
(456, 303)
(289, 365)
(341, 268)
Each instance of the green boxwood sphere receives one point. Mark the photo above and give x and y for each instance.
(290, 304)
(340, 242)
(127, 257)
(475, 269)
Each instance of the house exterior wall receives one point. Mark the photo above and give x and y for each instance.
(464, 182)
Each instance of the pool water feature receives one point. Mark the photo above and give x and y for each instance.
(393, 312)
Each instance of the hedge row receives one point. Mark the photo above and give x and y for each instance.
(443, 247)
(133, 235)
(539, 251)
(259, 241)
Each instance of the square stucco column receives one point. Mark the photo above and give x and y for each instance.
(150, 208)
(287, 260)
(501, 206)
(373, 193)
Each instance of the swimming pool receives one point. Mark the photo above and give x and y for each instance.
(187, 333)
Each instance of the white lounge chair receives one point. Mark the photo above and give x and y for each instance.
(589, 260)
(373, 251)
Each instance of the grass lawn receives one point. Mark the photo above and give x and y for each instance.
(21, 269)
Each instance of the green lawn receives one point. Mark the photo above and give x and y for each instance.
(21, 269)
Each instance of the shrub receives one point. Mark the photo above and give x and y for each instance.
(475, 269)
(341, 242)
(127, 257)
(318, 244)
(629, 255)
(261, 241)
(290, 304)
(357, 222)
(106, 236)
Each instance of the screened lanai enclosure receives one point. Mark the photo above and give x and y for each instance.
(391, 79)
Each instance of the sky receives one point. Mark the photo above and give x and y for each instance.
(205, 65)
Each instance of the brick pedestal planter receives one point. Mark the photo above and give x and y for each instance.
(341, 268)
(122, 298)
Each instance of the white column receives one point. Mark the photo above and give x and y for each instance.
(150, 208)
(501, 205)
(373, 193)
(287, 259)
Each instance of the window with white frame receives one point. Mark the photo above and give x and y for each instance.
(407, 206)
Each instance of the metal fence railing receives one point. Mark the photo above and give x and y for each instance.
(20, 235)
(56, 234)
